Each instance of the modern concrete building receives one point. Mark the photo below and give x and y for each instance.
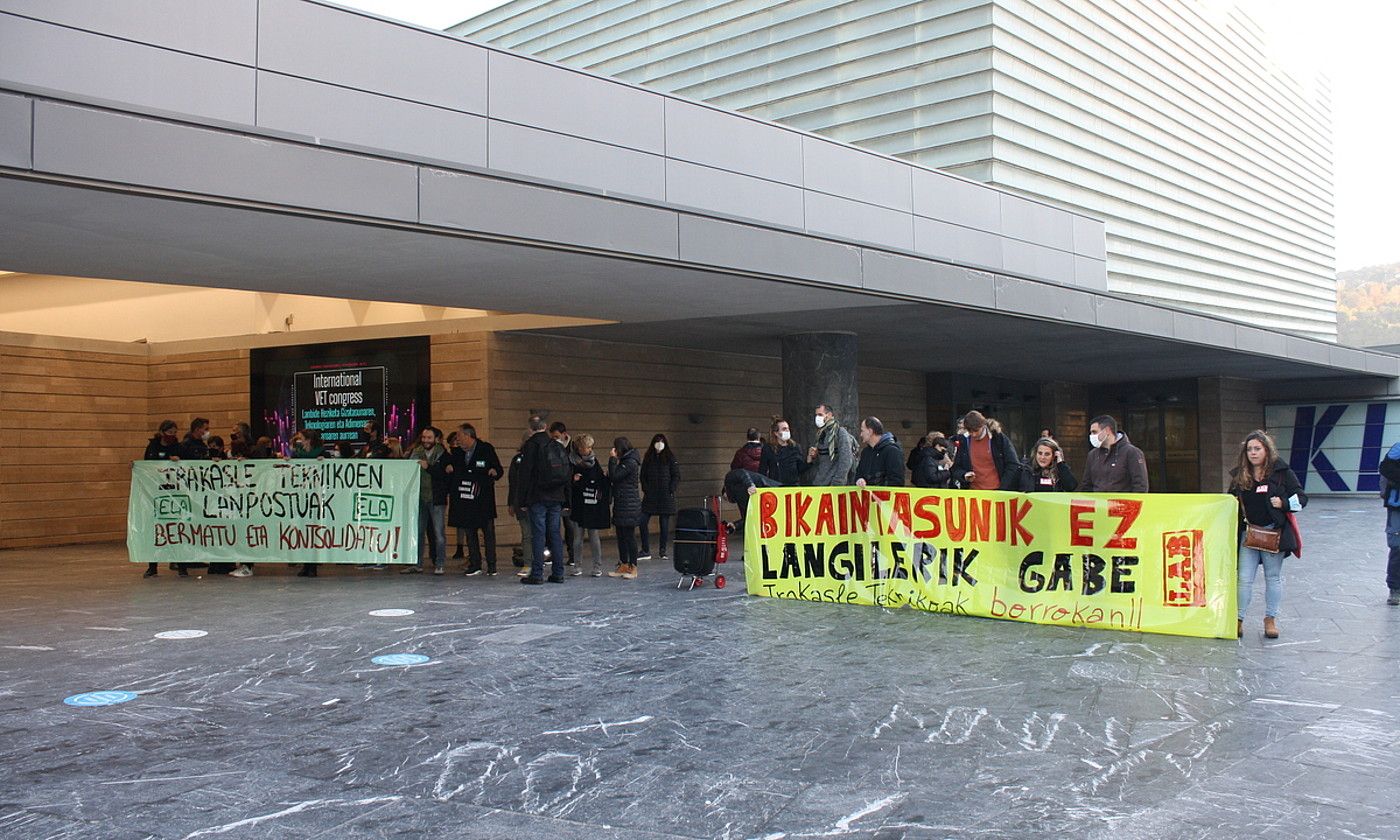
(1210, 167)
(627, 260)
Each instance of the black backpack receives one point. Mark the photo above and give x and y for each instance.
(554, 469)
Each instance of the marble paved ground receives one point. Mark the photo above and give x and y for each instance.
(611, 709)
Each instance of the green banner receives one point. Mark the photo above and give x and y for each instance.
(298, 511)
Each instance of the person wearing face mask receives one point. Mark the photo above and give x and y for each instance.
(985, 458)
(1046, 470)
(779, 465)
(661, 479)
(164, 446)
(1114, 465)
(831, 456)
(195, 446)
(881, 460)
(934, 466)
(1268, 491)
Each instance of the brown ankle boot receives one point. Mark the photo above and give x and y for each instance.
(630, 572)
(1239, 628)
(1270, 628)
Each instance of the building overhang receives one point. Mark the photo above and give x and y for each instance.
(324, 154)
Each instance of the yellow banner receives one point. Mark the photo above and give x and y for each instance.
(1159, 563)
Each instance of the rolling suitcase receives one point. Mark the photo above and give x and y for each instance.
(700, 542)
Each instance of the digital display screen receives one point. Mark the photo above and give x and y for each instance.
(335, 388)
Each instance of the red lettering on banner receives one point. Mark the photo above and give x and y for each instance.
(826, 516)
(1184, 570)
(1078, 522)
(979, 519)
(901, 514)
(1127, 512)
(926, 509)
(802, 504)
(860, 510)
(767, 506)
(957, 525)
(1019, 509)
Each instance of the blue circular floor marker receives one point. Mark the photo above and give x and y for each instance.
(400, 659)
(100, 698)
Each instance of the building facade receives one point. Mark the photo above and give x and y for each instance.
(1211, 168)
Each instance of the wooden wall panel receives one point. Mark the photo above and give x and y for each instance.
(459, 374)
(189, 385)
(70, 423)
(702, 401)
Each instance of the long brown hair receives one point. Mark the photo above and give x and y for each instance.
(773, 432)
(1055, 449)
(1244, 471)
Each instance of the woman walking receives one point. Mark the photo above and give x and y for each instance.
(1268, 492)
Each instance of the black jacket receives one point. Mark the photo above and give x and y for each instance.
(472, 499)
(1061, 480)
(625, 475)
(1004, 457)
(882, 465)
(515, 483)
(1282, 483)
(193, 449)
(590, 495)
(783, 464)
(928, 469)
(661, 479)
(158, 450)
(532, 468)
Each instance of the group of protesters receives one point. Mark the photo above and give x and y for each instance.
(977, 455)
(558, 490)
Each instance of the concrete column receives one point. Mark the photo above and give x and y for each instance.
(819, 368)
(1227, 410)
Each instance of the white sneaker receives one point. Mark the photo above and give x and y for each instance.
(525, 572)
(645, 555)
(241, 571)
(575, 571)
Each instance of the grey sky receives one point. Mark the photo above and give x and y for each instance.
(1352, 42)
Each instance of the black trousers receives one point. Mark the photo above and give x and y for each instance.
(474, 535)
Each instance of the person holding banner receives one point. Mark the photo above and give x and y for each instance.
(1268, 492)
(307, 444)
(473, 469)
(1047, 472)
(432, 498)
(780, 464)
(164, 446)
(881, 460)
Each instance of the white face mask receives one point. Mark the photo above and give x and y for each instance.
(1094, 441)
(785, 435)
(658, 446)
(821, 420)
(205, 437)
